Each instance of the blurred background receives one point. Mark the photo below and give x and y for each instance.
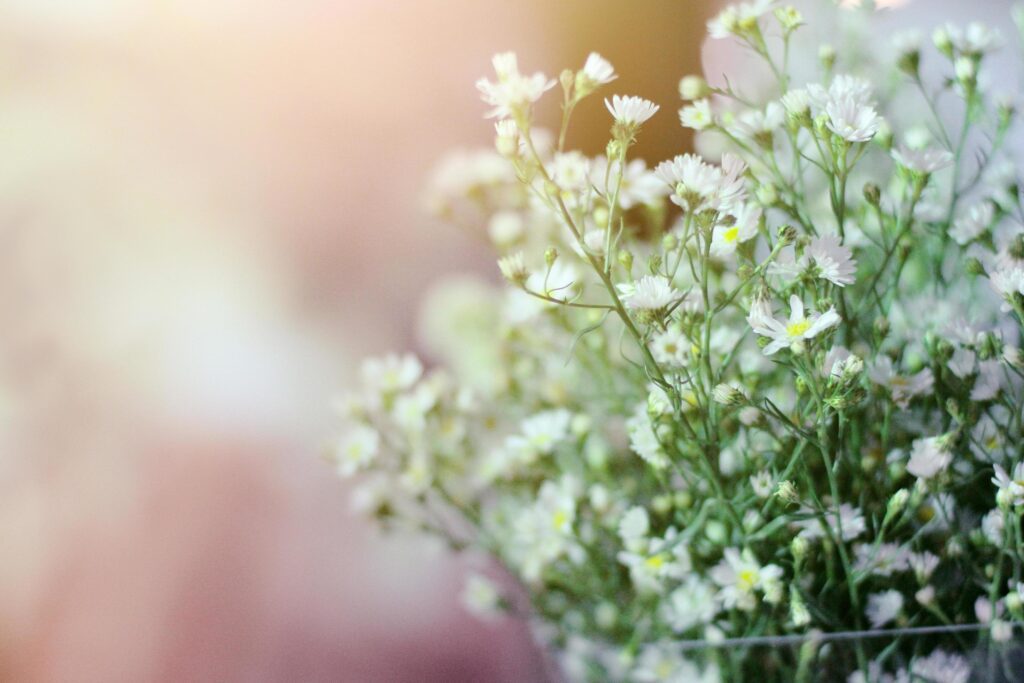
(209, 211)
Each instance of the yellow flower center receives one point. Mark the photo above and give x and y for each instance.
(655, 562)
(746, 579)
(559, 519)
(797, 329)
(731, 235)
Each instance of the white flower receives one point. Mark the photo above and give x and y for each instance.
(851, 519)
(852, 120)
(481, 597)
(1007, 283)
(663, 558)
(762, 483)
(740, 575)
(410, 410)
(513, 268)
(513, 92)
(825, 258)
(797, 102)
(972, 223)
(639, 185)
(738, 19)
(546, 430)
(630, 111)
(798, 328)
(671, 348)
(903, 388)
(663, 662)
(928, 458)
(505, 228)
(651, 293)
(924, 161)
(598, 71)
(543, 532)
(961, 363)
(724, 240)
(923, 565)
(974, 40)
(941, 667)
(570, 170)
(643, 440)
(390, 374)
(992, 525)
(834, 261)
(847, 105)
(882, 560)
(988, 382)
(691, 604)
(758, 125)
(697, 116)
(883, 608)
(357, 450)
(633, 528)
(1011, 489)
(697, 185)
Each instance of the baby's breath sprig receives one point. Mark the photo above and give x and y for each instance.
(766, 398)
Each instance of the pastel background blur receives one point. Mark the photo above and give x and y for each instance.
(209, 210)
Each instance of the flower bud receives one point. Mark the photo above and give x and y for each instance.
(626, 259)
(550, 256)
(693, 87)
(787, 234)
(872, 194)
(787, 493)
(798, 548)
(943, 43)
(513, 268)
(728, 395)
(798, 612)
(925, 596)
(974, 267)
(897, 503)
(715, 532)
(766, 194)
(606, 614)
(827, 56)
(566, 79)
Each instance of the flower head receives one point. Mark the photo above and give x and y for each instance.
(651, 293)
(513, 93)
(923, 161)
(631, 112)
(798, 328)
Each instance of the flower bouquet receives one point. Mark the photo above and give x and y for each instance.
(756, 414)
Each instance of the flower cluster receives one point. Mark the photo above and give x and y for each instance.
(770, 392)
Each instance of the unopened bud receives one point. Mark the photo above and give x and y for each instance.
(787, 234)
(872, 194)
(787, 493)
(827, 56)
(626, 259)
(798, 548)
(943, 43)
(974, 267)
(728, 395)
(567, 78)
(897, 503)
(550, 256)
(693, 87)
